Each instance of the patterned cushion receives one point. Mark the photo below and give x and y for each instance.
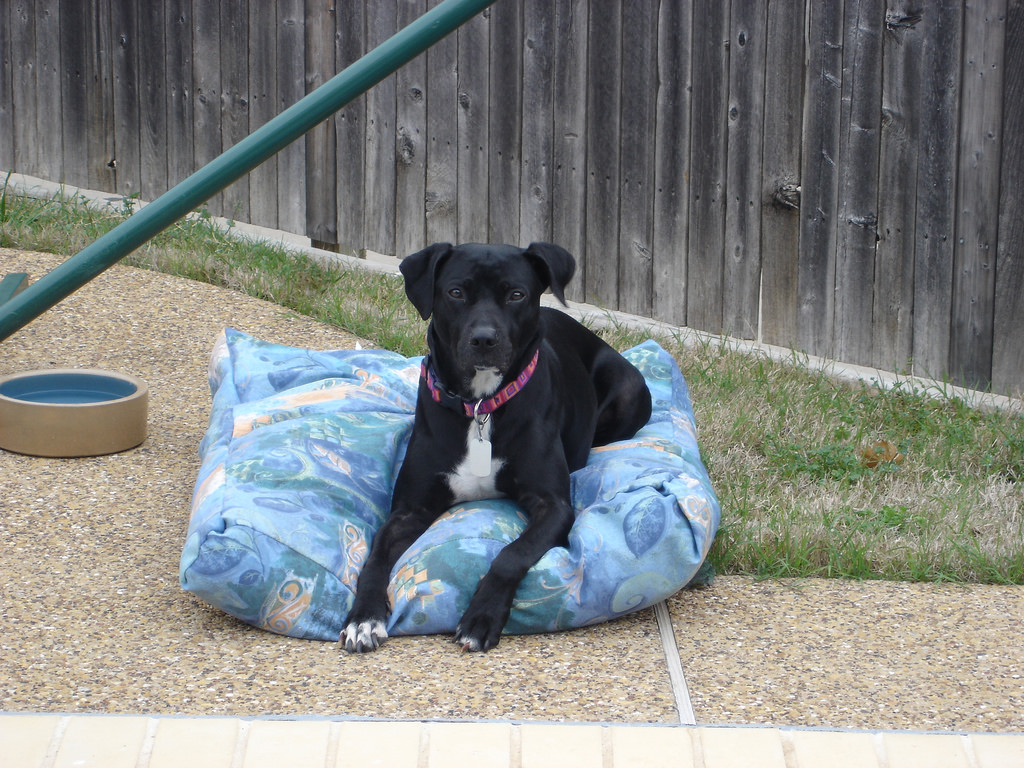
(298, 466)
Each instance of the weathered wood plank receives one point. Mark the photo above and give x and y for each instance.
(87, 117)
(742, 268)
(672, 162)
(819, 179)
(412, 130)
(857, 226)
(1008, 348)
(636, 158)
(569, 131)
(180, 93)
(20, 52)
(600, 274)
(442, 140)
(7, 121)
(538, 106)
(125, 75)
(151, 37)
(708, 146)
(892, 317)
(974, 253)
(379, 201)
(73, 115)
(935, 231)
(206, 86)
(100, 126)
(780, 185)
(291, 87)
(234, 101)
(473, 137)
(321, 190)
(350, 134)
(504, 122)
(48, 74)
(262, 88)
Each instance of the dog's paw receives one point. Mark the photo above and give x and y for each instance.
(364, 636)
(479, 633)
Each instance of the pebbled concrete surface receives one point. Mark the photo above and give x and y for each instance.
(840, 654)
(94, 619)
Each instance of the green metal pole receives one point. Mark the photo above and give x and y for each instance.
(261, 144)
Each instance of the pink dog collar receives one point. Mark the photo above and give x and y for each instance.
(489, 405)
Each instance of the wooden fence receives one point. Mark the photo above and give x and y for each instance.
(842, 177)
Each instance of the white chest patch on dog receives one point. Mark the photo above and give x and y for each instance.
(485, 382)
(467, 485)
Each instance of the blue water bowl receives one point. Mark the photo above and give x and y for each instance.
(67, 413)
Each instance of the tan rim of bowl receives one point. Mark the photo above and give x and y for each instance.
(70, 429)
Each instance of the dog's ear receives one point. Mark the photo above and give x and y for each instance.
(419, 271)
(554, 264)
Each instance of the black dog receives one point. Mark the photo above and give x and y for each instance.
(511, 400)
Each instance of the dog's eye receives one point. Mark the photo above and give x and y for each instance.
(516, 295)
(455, 293)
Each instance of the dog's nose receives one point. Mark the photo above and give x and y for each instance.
(484, 337)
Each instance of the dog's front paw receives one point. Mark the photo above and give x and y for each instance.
(480, 631)
(361, 636)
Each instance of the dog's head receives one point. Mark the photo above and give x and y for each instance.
(483, 302)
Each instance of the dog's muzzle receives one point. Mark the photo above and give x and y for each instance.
(484, 347)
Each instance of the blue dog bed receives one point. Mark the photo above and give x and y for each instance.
(297, 470)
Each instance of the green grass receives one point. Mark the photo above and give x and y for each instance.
(785, 446)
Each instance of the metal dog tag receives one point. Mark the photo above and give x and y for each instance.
(480, 457)
(480, 449)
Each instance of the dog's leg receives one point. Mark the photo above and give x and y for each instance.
(366, 624)
(623, 400)
(481, 625)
